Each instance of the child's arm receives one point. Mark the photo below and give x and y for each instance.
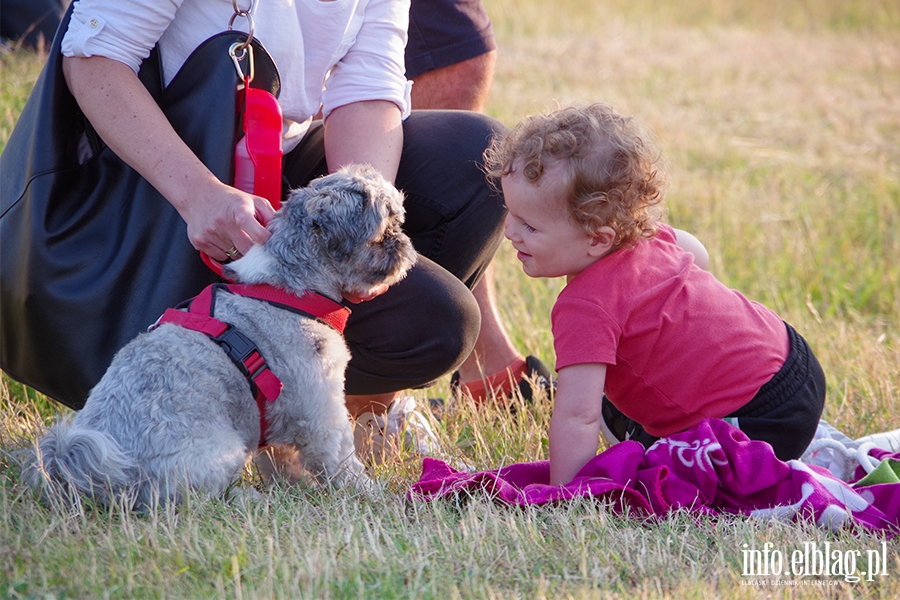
(575, 424)
(689, 243)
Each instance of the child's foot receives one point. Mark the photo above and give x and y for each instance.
(616, 427)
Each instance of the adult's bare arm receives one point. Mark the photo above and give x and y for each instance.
(365, 132)
(127, 118)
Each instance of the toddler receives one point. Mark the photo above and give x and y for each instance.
(648, 343)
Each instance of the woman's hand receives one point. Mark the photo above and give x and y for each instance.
(225, 222)
(221, 220)
(687, 242)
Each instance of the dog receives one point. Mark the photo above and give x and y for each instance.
(174, 413)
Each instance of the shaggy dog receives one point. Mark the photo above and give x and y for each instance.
(174, 413)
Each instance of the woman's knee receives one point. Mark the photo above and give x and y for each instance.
(420, 330)
(453, 215)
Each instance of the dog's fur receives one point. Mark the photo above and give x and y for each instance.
(173, 413)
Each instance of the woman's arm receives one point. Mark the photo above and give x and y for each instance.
(127, 118)
(575, 424)
(365, 132)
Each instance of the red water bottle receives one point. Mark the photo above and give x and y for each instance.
(257, 155)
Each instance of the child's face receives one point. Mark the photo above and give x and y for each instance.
(548, 241)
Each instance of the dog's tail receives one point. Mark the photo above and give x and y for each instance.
(71, 458)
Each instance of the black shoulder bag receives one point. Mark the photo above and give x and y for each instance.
(90, 253)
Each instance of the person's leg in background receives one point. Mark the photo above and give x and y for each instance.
(464, 85)
(450, 57)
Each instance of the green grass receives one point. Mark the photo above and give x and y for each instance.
(780, 122)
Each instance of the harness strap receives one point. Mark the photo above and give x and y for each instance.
(264, 384)
(310, 304)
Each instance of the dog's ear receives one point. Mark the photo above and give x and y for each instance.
(338, 216)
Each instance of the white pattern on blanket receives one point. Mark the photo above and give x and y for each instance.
(711, 468)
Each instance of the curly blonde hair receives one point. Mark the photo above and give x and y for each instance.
(611, 167)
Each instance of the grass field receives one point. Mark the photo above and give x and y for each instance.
(780, 122)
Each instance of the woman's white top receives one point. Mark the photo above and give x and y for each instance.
(328, 53)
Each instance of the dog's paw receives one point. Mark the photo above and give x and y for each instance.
(365, 486)
(353, 477)
(246, 497)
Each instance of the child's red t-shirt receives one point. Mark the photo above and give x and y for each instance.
(680, 346)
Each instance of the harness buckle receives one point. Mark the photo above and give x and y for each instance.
(245, 354)
(241, 349)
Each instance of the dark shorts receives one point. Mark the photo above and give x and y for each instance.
(445, 32)
(784, 412)
(426, 325)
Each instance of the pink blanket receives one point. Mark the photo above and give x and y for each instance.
(711, 468)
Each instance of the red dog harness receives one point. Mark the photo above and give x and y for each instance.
(264, 384)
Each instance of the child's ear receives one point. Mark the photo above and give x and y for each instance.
(602, 242)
